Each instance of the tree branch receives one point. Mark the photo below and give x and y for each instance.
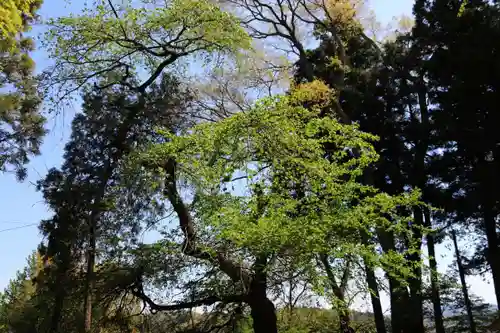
(233, 270)
(186, 305)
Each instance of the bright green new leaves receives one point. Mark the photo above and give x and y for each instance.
(14, 16)
(115, 42)
(281, 179)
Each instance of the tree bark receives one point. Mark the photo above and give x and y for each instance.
(493, 252)
(262, 310)
(338, 291)
(415, 313)
(89, 283)
(489, 174)
(468, 305)
(58, 305)
(419, 180)
(378, 314)
(399, 307)
(436, 297)
(371, 281)
(263, 314)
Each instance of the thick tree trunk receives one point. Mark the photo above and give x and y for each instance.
(436, 297)
(263, 312)
(398, 294)
(399, 306)
(468, 305)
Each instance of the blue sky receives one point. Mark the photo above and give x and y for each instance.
(21, 205)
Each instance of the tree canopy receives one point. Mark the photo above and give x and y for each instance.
(257, 166)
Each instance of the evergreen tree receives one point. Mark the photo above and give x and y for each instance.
(21, 123)
(84, 193)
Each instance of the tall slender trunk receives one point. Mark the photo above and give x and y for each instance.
(378, 314)
(104, 177)
(468, 305)
(493, 252)
(58, 305)
(487, 189)
(415, 312)
(61, 284)
(419, 180)
(436, 297)
(371, 281)
(90, 281)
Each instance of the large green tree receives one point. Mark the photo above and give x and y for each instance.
(81, 193)
(238, 237)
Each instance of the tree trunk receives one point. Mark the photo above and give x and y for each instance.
(419, 180)
(371, 281)
(262, 310)
(493, 253)
(399, 306)
(487, 190)
(89, 279)
(344, 314)
(378, 314)
(338, 291)
(436, 297)
(398, 294)
(263, 314)
(58, 308)
(415, 312)
(461, 271)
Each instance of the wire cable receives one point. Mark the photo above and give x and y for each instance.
(20, 227)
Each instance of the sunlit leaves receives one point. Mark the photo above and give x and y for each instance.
(14, 16)
(143, 39)
(246, 171)
(21, 124)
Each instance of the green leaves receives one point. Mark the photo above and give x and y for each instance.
(21, 122)
(264, 182)
(128, 39)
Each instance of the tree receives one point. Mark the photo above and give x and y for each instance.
(15, 17)
(19, 310)
(114, 42)
(20, 119)
(236, 239)
(113, 123)
(108, 45)
(449, 32)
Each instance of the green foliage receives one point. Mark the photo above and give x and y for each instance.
(244, 170)
(282, 189)
(114, 43)
(19, 311)
(21, 124)
(15, 16)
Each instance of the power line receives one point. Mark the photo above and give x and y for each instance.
(13, 222)
(20, 227)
